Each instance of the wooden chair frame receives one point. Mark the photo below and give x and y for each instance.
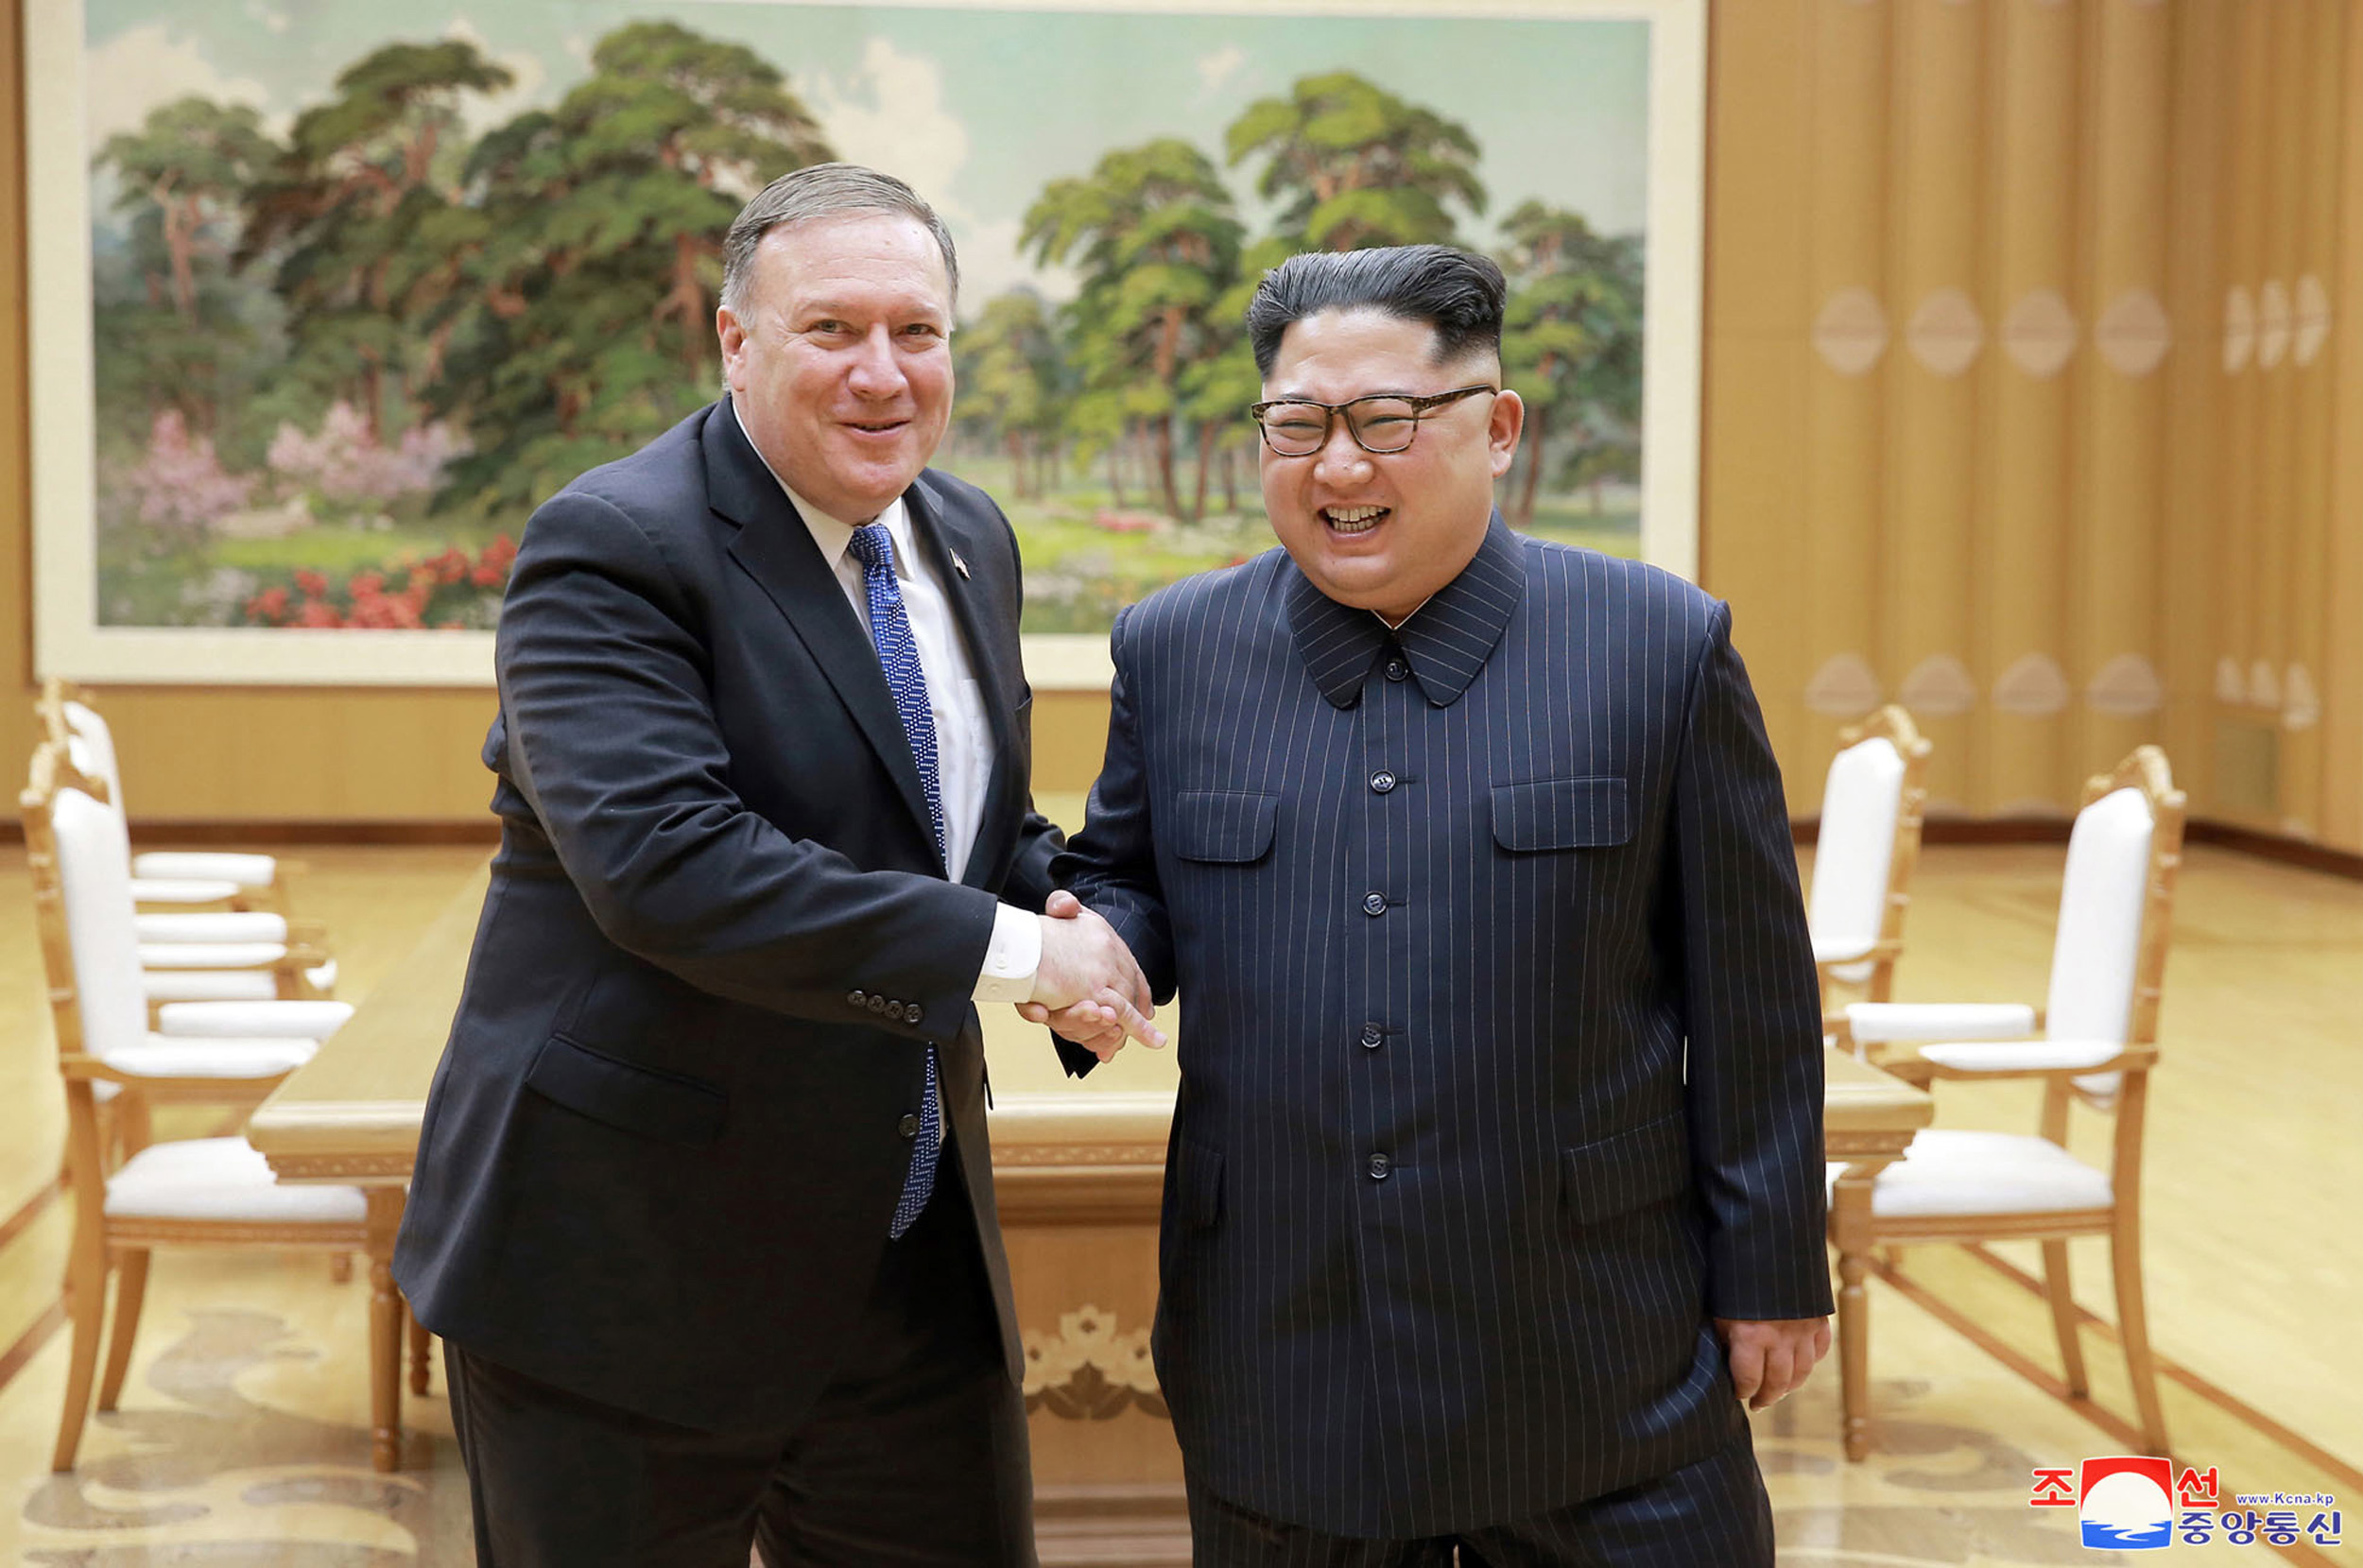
(2146, 770)
(1893, 724)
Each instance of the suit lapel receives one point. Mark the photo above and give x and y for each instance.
(776, 549)
(940, 535)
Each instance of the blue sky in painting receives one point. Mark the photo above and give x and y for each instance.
(977, 108)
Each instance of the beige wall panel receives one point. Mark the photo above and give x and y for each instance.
(2274, 481)
(2120, 415)
(2342, 658)
(15, 465)
(1945, 320)
(1844, 366)
(2243, 173)
(1755, 292)
(2191, 515)
(2016, 738)
(2309, 587)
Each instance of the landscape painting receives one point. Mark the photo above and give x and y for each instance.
(330, 296)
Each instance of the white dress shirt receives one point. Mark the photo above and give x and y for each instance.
(965, 746)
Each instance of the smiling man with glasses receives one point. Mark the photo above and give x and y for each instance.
(1495, 1186)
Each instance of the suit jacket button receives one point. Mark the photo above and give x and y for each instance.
(894, 1012)
(876, 1003)
(911, 1012)
(1373, 903)
(1381, 781)
(1373, 1037)
(1397, 670)
(1379, 1167)
(908, 1127)
(856, 998)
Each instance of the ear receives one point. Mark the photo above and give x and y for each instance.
(733, 340)
(1502, 430)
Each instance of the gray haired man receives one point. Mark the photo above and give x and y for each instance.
(703, 1207)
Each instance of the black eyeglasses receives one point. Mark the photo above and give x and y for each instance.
(1380, 423)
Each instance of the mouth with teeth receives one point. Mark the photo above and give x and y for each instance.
(1355, 520)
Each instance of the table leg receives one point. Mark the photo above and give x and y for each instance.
(1850, 1221)
(385, 1319)
(419, 1342)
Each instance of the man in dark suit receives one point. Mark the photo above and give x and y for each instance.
(1495, 1185)
(702, 1203)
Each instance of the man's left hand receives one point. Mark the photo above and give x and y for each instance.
(1772, 1359)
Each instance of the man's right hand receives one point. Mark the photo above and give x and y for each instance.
(1087, 986)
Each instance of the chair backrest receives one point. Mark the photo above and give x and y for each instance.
(1868, 839)
(65, 712)
(81, 861)
(2109, 954)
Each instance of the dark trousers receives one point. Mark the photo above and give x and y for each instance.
(914, 1457)
(1711, 1512)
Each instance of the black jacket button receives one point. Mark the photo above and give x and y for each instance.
(1373, 1036)
(911, 1012)
(1397, 670)
(856, 998)
(1381, 781)
(908, 1125)
(876, 1003)
(1374, 903)
(894, 1012)
(1379, 1167)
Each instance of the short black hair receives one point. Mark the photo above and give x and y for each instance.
(1458, 293)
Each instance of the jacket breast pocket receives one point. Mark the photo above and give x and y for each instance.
(1562, 813)
(1613, 1175)
(633, 1098)
(1223, 826)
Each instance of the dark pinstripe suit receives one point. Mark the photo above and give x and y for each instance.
(1445, 1218)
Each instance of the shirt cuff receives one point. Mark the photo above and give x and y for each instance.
(1011, 958)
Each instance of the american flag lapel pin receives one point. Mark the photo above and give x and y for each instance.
(959, 566)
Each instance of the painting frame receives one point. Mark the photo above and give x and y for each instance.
(70, 641)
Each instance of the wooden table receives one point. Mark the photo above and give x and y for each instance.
(351, 1115)
(1079, 1170)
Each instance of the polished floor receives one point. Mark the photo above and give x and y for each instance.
(242, 1441)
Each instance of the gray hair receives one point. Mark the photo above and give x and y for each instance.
(810, 194)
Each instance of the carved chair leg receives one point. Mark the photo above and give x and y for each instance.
(2054, 1285)
(131, 1293)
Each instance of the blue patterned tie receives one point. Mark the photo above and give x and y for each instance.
(898, 655)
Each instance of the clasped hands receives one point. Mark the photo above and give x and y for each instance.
(1087, 987)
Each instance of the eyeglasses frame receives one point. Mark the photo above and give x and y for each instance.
(1331, 412)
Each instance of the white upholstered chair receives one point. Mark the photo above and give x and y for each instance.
(2094, 1044)
(224, 955)
(1865, 852)
(173, 878)
(201, 1191)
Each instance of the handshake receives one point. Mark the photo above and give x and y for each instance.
(1087, 986)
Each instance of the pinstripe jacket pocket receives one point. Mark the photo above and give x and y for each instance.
(1226, 826)
(1562, 813)
(1197, 1183)
(1610, 1176)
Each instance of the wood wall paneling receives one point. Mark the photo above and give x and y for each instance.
(2343, 659)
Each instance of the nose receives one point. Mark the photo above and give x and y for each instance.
(1340, 458)
(875, 374)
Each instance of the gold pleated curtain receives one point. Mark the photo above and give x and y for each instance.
(2031, 403)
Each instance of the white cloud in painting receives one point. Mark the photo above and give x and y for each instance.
(482, 111)
(1219, 67)
(991, 263)
(891, 116)
(272, 21)
(144, 68)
